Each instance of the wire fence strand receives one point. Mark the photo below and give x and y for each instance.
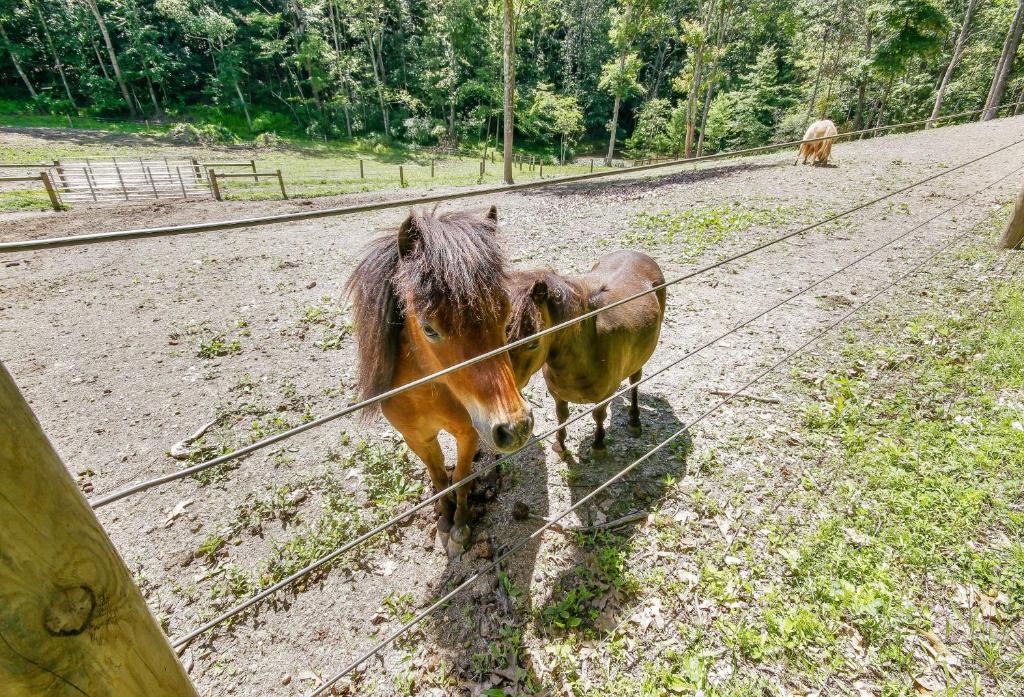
(75, 240)
(109, 498)
(480, 472)
(492, 566)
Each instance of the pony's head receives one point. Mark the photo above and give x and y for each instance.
(446, 285)
(540, 299)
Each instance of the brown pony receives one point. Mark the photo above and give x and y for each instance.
(819, 150)
(424, 299)
(586, 362)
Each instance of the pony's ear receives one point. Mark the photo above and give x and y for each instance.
(539, 293)
(492, 213)
(408, 234)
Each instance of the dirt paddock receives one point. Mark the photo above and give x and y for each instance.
(125, 349)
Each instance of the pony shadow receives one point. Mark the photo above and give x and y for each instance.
(562, 581)
(653, 181)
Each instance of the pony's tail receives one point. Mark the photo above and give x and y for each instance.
(378, 318)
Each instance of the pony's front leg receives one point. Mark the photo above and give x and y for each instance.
(600, 414)
(429, 450)
(468, 441)
(561, 415)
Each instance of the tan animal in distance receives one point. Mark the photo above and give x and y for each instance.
(818, 150)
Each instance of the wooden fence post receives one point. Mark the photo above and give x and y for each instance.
(591, 166)
(280, 180)
(431, 168)
(197, 169)
(214, 186)
(72, 619)
(361, 170)
(401, 176)
(59, 169)
(50, 191)
(541, 173)
(255, 176)
(1014, 232)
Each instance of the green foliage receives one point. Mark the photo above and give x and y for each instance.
(658, 130)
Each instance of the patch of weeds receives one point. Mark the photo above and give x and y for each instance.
(577, 601)
(217, 345)
(697, 229)
(336, 326)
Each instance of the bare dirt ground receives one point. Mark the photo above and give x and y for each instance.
(105, 341)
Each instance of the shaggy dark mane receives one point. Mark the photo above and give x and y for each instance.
(563, 301)
(452, 272)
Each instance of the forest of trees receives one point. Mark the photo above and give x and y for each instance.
(646, 76)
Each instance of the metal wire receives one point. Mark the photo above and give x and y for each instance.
(661, 446)
(270, 440)
(70, 241)
(477, 473)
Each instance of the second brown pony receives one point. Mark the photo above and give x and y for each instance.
(424, 299)
(586, 362)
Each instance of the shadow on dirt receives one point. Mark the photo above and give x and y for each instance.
(655, 180)
(563, 581)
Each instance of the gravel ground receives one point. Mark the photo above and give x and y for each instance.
(104, 339)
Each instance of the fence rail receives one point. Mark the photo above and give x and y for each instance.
(44, 179)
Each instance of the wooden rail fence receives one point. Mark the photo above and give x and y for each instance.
(215, 178)
(47, 183)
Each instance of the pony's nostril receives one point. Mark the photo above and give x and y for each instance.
(504, 436)
(526, 426)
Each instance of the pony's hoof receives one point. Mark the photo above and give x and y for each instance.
(458, 541)
(558, 448)
(635, 430)
(599, 452)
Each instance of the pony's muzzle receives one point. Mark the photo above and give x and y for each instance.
(509, 436)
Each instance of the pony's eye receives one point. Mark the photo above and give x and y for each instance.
(430, 332)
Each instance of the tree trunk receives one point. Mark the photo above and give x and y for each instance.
(615, 113)
(113, 56)
(56, 58)
(862, 86)
(704, 115)
(691, 102)
(510, 89)
(72, 620)
(17, 63)
(1005, 65)
(158, 113)
(245, 107)
(958, 52)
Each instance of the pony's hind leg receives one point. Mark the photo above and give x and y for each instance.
(467, 441)
(429, 450)
(634, 404)
(600, 414)
(561, 414)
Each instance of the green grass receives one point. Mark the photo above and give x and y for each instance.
(15, 200)
(310, 168)
(389, 480)
(901, 557)
(693, 231)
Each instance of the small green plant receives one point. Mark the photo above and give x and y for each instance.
(217, 346)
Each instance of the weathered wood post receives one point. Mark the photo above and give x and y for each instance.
(431, 168)
(72, 620)
(401, 176)
(541, 173)
(361, 170)
(280, 180)
(591, 166)
(1014, 232)
(50, 191)
(214, 186)
(256, 176)
(197, 169)
(59, 169)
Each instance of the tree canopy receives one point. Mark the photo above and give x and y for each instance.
(667, 76)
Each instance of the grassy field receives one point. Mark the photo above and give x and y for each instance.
(310, 168)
